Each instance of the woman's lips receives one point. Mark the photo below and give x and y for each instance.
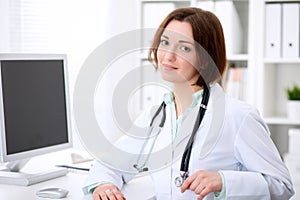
(169, 67)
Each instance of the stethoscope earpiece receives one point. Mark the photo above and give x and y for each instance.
(140, 169)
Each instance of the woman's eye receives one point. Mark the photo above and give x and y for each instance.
(164, 42)
(185, 48)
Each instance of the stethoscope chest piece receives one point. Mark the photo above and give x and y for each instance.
(180, 179)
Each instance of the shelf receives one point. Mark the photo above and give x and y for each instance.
(164, 1)
(282, 1)
(238, 57)
(223, 0)
(281, 121)
(282, 61)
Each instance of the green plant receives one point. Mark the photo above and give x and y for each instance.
(293, 93)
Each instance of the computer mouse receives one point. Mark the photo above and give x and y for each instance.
(52, 193)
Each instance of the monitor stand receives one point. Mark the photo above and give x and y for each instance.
(13, 176)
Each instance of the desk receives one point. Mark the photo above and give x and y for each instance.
(137, 189)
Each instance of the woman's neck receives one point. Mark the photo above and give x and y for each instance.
(184, 96)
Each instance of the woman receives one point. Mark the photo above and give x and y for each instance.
(232, 159)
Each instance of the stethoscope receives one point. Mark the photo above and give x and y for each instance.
(183, 175)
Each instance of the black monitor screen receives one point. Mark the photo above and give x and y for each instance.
(34, 104)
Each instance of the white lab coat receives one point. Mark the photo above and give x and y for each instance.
(239, 146)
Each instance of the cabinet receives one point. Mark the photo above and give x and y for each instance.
(277, 71)
(265, 77)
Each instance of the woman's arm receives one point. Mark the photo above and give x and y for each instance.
(263, 174)
(100, 175)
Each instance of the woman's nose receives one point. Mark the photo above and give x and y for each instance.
(170, 55)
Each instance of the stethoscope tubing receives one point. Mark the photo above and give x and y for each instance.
(188, 149)
(184, 166)
(142, 167)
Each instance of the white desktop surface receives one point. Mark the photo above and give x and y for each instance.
(137, 189)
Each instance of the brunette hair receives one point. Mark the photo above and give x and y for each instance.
(209, 38)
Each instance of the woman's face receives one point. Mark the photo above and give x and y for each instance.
(177, 54)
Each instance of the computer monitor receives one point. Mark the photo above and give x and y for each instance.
(34, 113)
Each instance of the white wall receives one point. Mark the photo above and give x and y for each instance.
(107, 18)
(4, 24)
(103, 20)
(121, 16)
(74, 27)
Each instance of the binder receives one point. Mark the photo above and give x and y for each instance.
(227, 13)
(294, 142)
(273, 30)
(235, 85)
(290, 30)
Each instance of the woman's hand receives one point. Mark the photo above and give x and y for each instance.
(202, 183)
(108, 192)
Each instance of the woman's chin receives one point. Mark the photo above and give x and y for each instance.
(172, 78)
